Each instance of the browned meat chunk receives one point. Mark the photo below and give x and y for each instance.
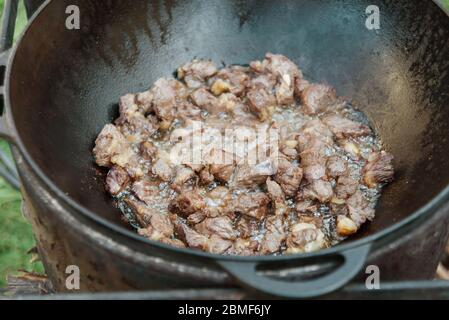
(343, 127)
(148, 151)
(359, 209)
(277, 197)
(182, 176)
(319, 190)
(221, 226)
(190, 237)
(163, 169)
(187, 204)
(247, 227)
(207, 101)
(244, 247)
(206, 177)
(116, 180)
(236, 77)
(379, 169)
(253, 176)
(336, 167)
(289, 176)
(111, 146)
(305, 237)
(160, 227)
(280, 66)
(254, 205)
(196, 218)
(195, 73)
(222, 173)
(264, 81)
(144, 101)
(300, 85)
(285, 90)
(217, 245)
(259, 102)
(164, 100)
(275, 235)
(305, 206)
(346, 187)
(318, 98)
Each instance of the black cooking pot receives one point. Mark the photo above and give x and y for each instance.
(62, 87)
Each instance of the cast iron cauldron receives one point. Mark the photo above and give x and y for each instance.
(62, 87)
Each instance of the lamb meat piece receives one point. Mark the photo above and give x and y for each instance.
(148, 150)
(251, 176)
(207, 101)
(217, 245)
(264, 81)
(144, 101)
(336, 167)
(300, 85)
(188, 111)
(285, 91)
(275, 235)
(244, 247)
(173, 242)
(345, 226)
(319, 98)
(346, 187)
(277, 197)
(218, 201)
(141, 211)
(259, 102)
(280, 66)
(254, 205)
(305, 206)
(127, 108)
(162, 168)
(160, 227)
(343, 127)
(111, 147)
(222, 173)
(236, 77)
(182, 176)
(190, 237)
(315, 172)
(359, 209)
(196, 218)
(111, 144)
(289, 176)
(305, 237)
(116, 180)
(275, 191)
(164, 99)
(314, 134)
(195, 73)
(148, 191)
(319, 190)
(206, 178)
(221, 226)
(187, 204)
(379, 169)
(247, 227)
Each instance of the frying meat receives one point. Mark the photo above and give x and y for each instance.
(379, 169)
(243, 160)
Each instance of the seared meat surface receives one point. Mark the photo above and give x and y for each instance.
(246, 161)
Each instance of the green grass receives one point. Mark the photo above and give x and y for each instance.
(16, 237)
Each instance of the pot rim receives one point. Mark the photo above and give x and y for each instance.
(429, 208)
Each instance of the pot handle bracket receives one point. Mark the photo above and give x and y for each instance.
(7, 170)
(6, 42)
(246, 274)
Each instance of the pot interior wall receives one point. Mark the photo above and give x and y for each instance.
(65, 84)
